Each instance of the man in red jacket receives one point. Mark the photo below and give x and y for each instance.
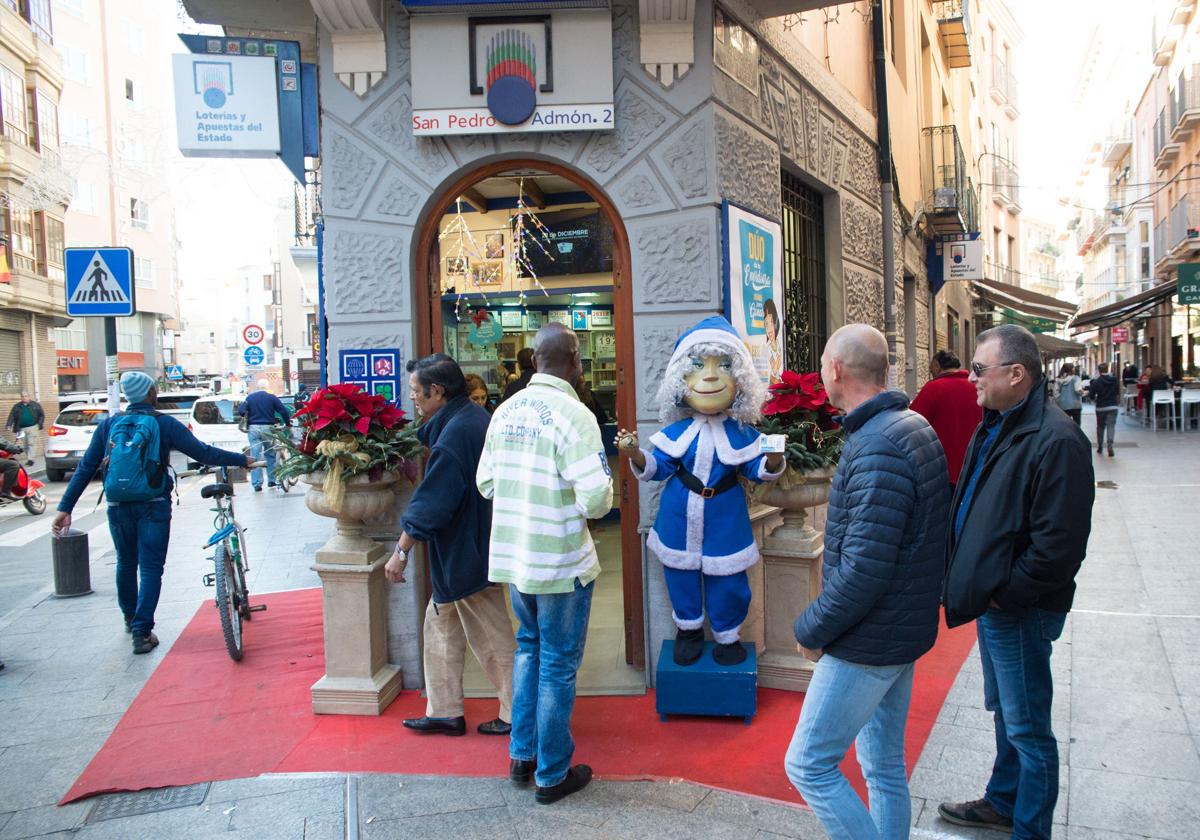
(948, 401)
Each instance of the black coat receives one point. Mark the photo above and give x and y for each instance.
(446, 511)
(1026, 530)
(884, 540)
(1105, 391)
(14, 416)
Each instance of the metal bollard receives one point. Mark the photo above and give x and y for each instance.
(72, 574)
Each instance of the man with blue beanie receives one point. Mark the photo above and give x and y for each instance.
(141, 529)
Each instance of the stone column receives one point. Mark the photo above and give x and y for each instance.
(791, 572)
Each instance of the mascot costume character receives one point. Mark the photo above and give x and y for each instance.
(709, 395)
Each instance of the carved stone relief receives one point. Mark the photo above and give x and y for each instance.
(654, 345)
(826, 164)
(397, 199)
(812, 139)
(675, 263)
(864, 299)
(366, 273)
(391, 126)
(749, 168)
(686, 157)
(637, 120)
(861, 234)
(639, 192)
(350, 168)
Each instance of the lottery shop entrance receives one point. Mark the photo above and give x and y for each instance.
(507, 248)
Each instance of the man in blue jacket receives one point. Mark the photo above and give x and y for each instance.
(878, 610)
(262, 408)
(455, 523)
(140, 530)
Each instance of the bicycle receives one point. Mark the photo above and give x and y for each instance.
(282, 453)
(229, 563)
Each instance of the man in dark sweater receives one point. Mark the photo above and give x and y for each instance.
(140, 530)
(455, 522)
(1107, 395)
(878, 608)
(263, 410)
(528, 368)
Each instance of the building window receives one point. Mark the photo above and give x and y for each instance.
(72, 337)
(139, 213)
(804, 294)
(75, 63)
(76, 129)
(12, 102)
(37, 12)
(952, 329)
(129, 335)
(83, 200)
(19, 233)
(143, 270)
(129, 89)
(72, 7)
(1144, 239)
(50, 242)
(45, 120)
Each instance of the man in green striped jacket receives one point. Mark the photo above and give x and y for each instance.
(544, 467)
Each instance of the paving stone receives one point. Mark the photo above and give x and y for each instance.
(1153, 754)
(788, 820)
(325, 827)
(680, 795)
(1152, 674)
(480, 824)
(533, 822)
(198, 823)
(280, 808)
(668, 824)
(1141, 710)
(32, 822)
(394, 797)
(269, 785)
(1162, 808)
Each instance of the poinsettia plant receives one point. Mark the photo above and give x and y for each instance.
(799, 408)
(344, 429)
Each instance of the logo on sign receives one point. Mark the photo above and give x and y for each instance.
(511, 76)
(254, 356)
(958, 253)
(253, 334)
(213, 80)
(383, 366)
(356, 366)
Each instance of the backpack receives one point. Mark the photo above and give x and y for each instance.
(135, 470)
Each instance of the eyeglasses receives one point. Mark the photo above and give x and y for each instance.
(979, 369)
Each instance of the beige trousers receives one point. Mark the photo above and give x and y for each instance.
(480, 620)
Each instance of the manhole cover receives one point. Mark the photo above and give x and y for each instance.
(147, 802)
(1106, 485)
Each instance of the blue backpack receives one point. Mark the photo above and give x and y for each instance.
(135, 471)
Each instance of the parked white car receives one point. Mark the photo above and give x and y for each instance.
(179, 404)
(213, 420)
(69, 436)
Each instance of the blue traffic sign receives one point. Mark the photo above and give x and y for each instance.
(99, 282)
(254, 356)
(174, 372)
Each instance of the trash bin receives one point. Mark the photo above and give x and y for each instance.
(72, 574)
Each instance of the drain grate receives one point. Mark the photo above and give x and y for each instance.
(118, 805)
(1107, 485)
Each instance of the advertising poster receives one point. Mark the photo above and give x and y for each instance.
(754, 287)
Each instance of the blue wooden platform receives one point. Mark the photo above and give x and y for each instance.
(704, 687)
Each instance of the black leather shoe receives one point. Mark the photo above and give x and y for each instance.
(731, 654)
(520, 773)
(975, 814)
(258, 488)
(577, 779)
(494, 727)
(144, 643)
(129, 625)
(453, 726)
(689, 645)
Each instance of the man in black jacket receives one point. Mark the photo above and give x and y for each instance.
(26, 420)
(528, 368)
(878, 608)
(455, 522)
(1019, 529)
(1107, 395)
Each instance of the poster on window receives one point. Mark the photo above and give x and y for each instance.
(754, 286)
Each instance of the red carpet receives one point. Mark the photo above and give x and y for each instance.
(202, 717)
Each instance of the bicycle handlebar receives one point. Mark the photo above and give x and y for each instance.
(207, 470)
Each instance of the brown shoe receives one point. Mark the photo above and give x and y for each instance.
(976, 814)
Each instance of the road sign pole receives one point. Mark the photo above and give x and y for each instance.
(111, 369)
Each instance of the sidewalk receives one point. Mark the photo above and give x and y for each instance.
(1127, 705)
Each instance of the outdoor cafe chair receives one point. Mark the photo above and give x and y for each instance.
(1189, 401)
(1164, 398)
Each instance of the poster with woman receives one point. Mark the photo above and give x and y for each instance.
(754, 286)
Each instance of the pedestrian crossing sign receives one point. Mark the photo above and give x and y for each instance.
(174, 372)
(100, 282)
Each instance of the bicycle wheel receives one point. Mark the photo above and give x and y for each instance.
(227, 606)
(239, 567)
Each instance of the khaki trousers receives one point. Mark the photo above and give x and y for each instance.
(480, 620)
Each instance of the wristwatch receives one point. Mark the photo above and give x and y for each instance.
(403, 554)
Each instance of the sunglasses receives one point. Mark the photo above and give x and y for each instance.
(979, 369)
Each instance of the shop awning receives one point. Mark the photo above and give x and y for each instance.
(1123, 310)
(1023, 301)
(1057, 348)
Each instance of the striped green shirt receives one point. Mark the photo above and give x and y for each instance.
(544, 468)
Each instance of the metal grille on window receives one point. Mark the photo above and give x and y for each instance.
(804, 291)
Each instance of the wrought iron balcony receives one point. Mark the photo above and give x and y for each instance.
(1185, 103)
(1183, 232)
(1005, 185)
(1166, 149)
(1003, 86)
(1118, 143)
(948, 196)
(954, 24)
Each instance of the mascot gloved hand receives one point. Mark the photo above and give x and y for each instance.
(709, 396)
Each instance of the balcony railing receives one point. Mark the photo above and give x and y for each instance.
(1185, 103)
(1085, 233)
(1005, 187)
(944, 178)
(954, 24)
(1003, 85)
(1118, 143)
(1183, 233)
(1160, 244)
(1166, 149)
(37, 14)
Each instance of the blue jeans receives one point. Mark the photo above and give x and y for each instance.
(1018, 689)
(866, 705)
(260, 446)
(140, 532)
(551, 633)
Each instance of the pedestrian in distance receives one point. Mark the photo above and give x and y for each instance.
(1019, 531)
(263, 410)
(135, 447)
(26, 421)
(545, 469)
(877, 612)
(948, 402)
(1068, 391)
(1107, 395)
(447, 513)
(528, 365)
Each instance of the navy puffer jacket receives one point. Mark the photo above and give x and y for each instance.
(885, 540)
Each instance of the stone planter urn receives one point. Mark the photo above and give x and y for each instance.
(791, 569)
(358, 677)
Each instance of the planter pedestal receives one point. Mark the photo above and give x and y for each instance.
(358, 678)
(791, 562)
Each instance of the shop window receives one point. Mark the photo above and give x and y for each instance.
(804, 285)
(12, 102)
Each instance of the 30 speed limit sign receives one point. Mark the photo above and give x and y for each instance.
(253, 333)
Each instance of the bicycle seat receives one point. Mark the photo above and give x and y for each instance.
(216, 491)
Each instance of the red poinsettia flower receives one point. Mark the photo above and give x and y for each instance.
(389, 416)
(329, 410)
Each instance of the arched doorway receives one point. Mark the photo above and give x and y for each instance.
(520, 242)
